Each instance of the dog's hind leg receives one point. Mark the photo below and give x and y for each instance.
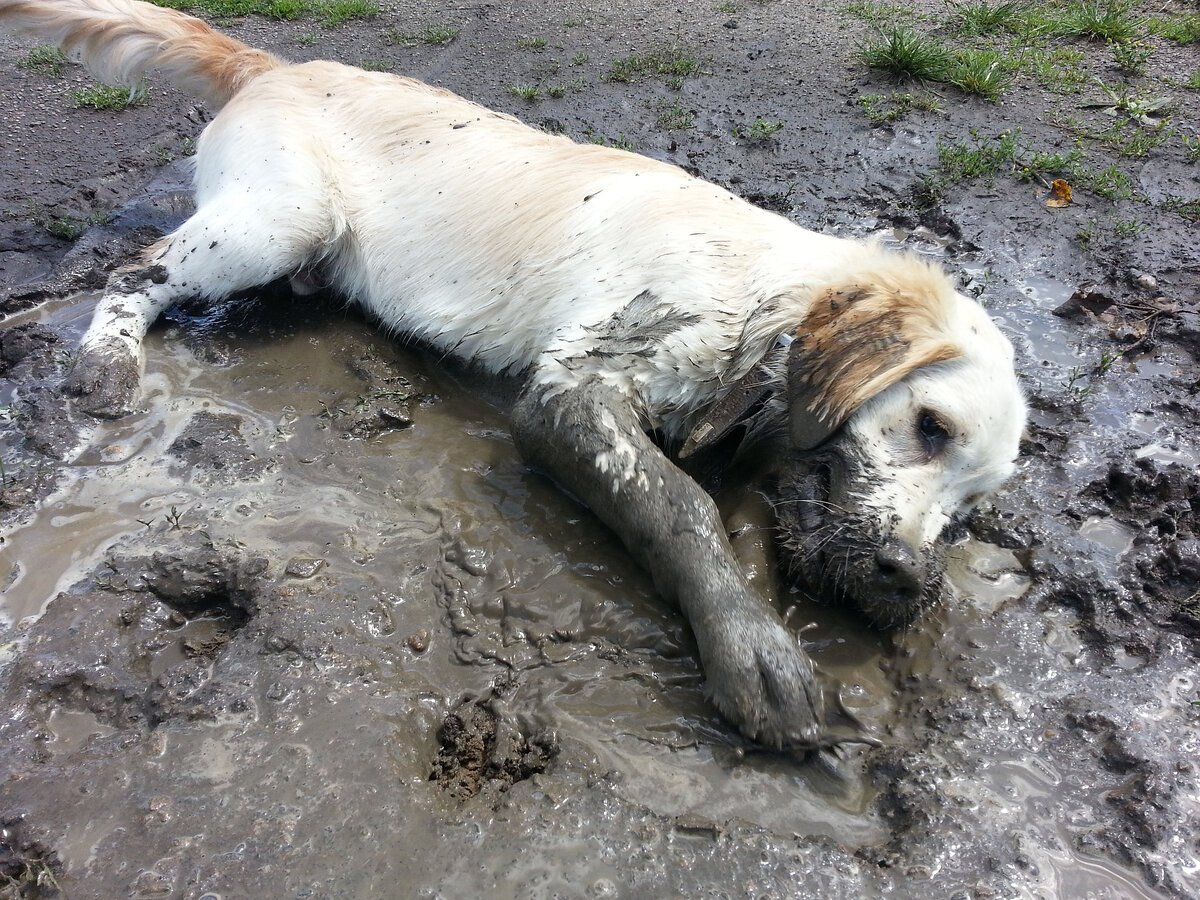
(222, 249)
(589, 439)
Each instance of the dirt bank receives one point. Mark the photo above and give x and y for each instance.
(307, 627)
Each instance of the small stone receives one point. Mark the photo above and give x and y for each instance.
(303, 567)
(419, 640)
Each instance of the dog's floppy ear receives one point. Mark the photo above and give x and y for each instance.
(857, 340)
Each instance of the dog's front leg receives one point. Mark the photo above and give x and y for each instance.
(104, 377)
(589, 439)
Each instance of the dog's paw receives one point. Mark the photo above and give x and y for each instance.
(104, 380)
(762, 680)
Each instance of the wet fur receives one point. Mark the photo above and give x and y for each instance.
(627, 295)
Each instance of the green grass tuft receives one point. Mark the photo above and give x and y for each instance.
(526, 92)
(758, 132)
(673, 117)
(1104, 20)
(903, 53)
(669, 63)
(48, 61)
(105, 96)
(438, 34)
(338, 12)
(982, 72)
(987, 18)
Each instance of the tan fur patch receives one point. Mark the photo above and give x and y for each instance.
(862, 337)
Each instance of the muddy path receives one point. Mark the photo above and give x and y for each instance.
(305, 626)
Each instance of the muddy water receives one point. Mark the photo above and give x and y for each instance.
(418, 566)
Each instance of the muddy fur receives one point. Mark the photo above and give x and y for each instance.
(836, 554)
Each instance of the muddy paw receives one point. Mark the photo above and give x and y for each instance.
(104, 380)
(760, 679)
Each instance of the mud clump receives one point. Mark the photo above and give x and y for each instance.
(482, 753)
(385, 403)
(1163, 504)
(212, 444)
(28, 869)
(31, 356)
(133, 651)
(197, 579)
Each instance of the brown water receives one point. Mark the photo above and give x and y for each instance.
(440, 529)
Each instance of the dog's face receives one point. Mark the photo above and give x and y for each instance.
(866, 516)
(923, 420)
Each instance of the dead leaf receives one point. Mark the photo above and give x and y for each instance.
(1087, 302)
(1060, 194)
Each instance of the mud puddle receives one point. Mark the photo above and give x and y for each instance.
(408, 573)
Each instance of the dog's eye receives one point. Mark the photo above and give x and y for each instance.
(934, 435)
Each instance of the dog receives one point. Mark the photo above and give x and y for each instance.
(625, 296)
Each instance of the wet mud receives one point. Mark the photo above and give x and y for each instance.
(305, 625)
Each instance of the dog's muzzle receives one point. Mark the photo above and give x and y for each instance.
(836, 554)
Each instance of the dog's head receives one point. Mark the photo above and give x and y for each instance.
(903, 411)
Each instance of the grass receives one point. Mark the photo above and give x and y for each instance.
(531, 43)
(437, 34)
(673, 117)
(527, 92)
(48, 61)
(337, 12)
(672, 63)
(985, 18)
(1060, 69)
(982, 72)
(1110, 183)
(1188, 209)
(760, 131)
(621, 143)
(1110, 20)
(1131, 57)
(960, 162)
(1087, 235)
(108, 97)
(331, 13)
(883, 108)
(66, 228)
(1183, 29)
(1128, 228)
(1191, 148)
(275, 9)
(905, 54)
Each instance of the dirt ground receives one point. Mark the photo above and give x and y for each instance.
(306, 627)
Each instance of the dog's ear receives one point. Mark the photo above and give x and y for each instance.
(856, 341)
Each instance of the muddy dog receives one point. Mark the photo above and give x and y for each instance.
(627, 296)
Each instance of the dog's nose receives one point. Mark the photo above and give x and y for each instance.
(899, 571)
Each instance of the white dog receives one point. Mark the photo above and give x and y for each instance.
(627, 295)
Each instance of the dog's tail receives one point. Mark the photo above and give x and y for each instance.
(119, 40)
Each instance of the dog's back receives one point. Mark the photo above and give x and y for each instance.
(457, 225)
